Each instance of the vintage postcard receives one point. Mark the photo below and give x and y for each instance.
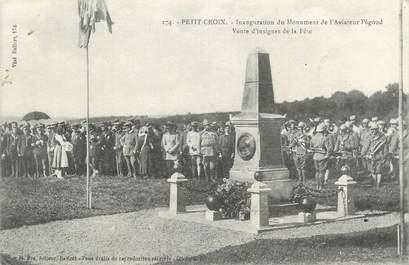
(204, 132)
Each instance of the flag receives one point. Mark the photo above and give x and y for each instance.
(90, 12)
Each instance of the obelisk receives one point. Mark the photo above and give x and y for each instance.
(258, 138)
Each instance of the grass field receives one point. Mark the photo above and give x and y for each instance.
(26, 201)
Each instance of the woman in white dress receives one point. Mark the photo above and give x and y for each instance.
(60, 159)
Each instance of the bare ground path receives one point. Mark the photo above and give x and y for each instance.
(141, 237)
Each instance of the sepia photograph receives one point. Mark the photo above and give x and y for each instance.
(204, 132)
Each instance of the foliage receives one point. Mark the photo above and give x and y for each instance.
(339, 105)
(235, 198)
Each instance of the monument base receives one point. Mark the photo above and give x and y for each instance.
(277, 179)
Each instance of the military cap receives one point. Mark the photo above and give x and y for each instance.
(317, 119)
(206, 122)
(291, 121)
(365, 120)
(194, 123)
(343, 127)
(374, 118)
(320, 128)
(301, 124)
(327, 121)
(214, 124)
(352, 118)
(380, 122)
(373, 126)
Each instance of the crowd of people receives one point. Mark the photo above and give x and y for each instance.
(318, 147)
(117, 148)
(321, 147)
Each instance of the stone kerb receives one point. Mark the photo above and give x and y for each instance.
(177, 202)
(259, 211)
(346, 195)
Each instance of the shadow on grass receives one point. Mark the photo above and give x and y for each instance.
(373, 246)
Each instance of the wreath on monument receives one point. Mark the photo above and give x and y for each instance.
(231, 199)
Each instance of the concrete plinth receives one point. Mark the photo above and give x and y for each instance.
(212, 215)
(176, 196)
(259, 212)
(276, 179)
(306, 217)
(346, 194)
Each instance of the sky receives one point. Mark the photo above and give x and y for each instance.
(147, 68)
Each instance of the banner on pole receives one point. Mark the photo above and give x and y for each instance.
(90, 12)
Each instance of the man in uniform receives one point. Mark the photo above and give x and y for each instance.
(208, 150)
(321, 146)
(376, 152)
(364, 139)
(40, 151)
(226, 150)
(346, 146)
(26, 151)
(118, 147)
(170, 144)
(299, 145)
(193, 143)
(79, 150)
(128, 142)
(50, 145)
(393, 148)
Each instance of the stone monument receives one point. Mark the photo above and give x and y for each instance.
(258, 131)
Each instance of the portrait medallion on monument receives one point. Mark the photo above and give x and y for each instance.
(246, 146)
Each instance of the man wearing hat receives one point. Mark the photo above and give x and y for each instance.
(50, 145)
(376, 152)
(193, 142)
(170, 144)
(226, 150)
(4, 158)
(393, 148)
(79, 151)
(40, 152)
(26, 156)
(208, 150)
(118, 147)
(346, 146)
(321, 146)
(364, 139)
(128, 142)
(299, 145)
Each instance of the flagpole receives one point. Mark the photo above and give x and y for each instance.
(88, 179)
(402, 183)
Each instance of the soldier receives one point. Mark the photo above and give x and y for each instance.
(288, 159)
(170, 144)
(321, 146)
(393, 148)
(299, 145)
(364, 139)
(354, 127)
(26, 151)
(376, 151)
(128, 142)
(118, 148)
(193, 143)
(226, 150)
(208, 150)
(78, 140)
(382, 127)
(4, 158)
(184, 150)
(346, 146)
(40, 152)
